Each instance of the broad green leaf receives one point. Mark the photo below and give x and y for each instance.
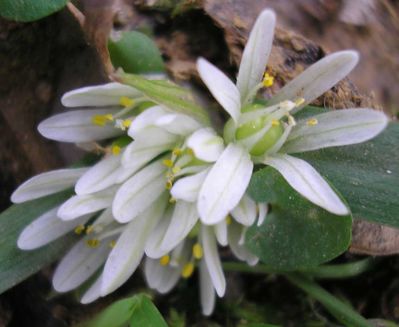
(367, 175)
(146, 314)
(16, 265)
(29, 10)
(296, 234)
(135, 53)
(168, 94)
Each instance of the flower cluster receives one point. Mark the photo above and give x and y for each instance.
(169, 189)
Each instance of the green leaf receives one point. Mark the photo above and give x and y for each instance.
(135, 53)
(29, 10)
(168, 94)
(16, 265)
(296, 234)
(367, 175)
(146, 314)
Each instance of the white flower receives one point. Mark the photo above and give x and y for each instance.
(268, 134)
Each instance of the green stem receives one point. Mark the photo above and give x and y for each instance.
(243, 267)
(338, 308)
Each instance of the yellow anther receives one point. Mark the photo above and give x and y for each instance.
(299, 102)
(228, 220)
(168, 163)
(168, 184)
(93, 243)
(312, 122)
(177, 152)
(187, 270)
(89, 229)
(116, 149)
(112, 244)
(99, 120)
(126, 102)
(268, 80)
(275, 122)
(109, 117)
(79, 229)
(197, 251)
(172, 200)
(126, 123)
(190, 152)
(175, 169)
(164, 260)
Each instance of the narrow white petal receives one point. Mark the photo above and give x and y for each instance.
(99, 177)
(46, 184)
(153, 248)
(93, 293)
(221, 232)
(77, 127)
(207, 292)
(239, 250)
(318, 78)
(146, 119)
(256, 53)
(45, 229)
(139, 192)
(99, 95)
(152, 272)
(170, 277)
(336, 128)
(129, 249)
(308, 182)
(221, 87)
(245, 211)
(78, 265)
(206, 144)
(184, 217)
(187, 188)
(212, 260)
(80, 205)
(225, 184)
(263, 209)
(178, 124)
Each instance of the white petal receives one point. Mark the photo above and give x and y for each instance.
(318, 78)
(221, 87)
(153, 248)
(239, 250)
(263, 209)
(99, 177)
(78, 265)
(170, 277)
(245, 211)
(129, 249)
(212, 260)
(184, 217)
(336, 128)
(99, 95)
(207, 292)
(221, 232)
(225, 184)
(45, 229)
(93, 293)
(206, 144)
(152, 272)
(187, 188)
(177, 124)
(77, 127)
(256, 53)
(80, 205)
(308, 182)
(46, 184)
(139, 192)
(160, 278)
(146, 119)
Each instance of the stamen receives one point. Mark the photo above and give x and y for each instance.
(299, 101)
(275, 122)
(89, 229)
(112, 244)
(228, 220)
(197, 251)
(99, 120)
(93, 243)
(172, 200)
(268, 80)
(177, 152)
(291, 120)
(176, 169)
(126, 123)
(190, 152)
(79, 229)
(169, 185)
(168, 163)
(109, 117)
(312, 122)
(116, 150)
(164, 260)
(126, 102)
(187, 270)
